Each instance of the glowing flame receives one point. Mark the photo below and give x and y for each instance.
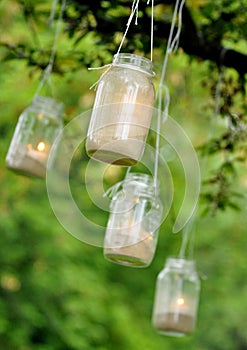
(180, 301)
(41, 146)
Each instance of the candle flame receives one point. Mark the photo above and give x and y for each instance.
(41, 146)
(180, 301)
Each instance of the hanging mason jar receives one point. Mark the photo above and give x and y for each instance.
(122, 111)
(176, 298)
(36, 130)
(135, 217)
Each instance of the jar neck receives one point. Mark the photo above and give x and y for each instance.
(48, 105)
(139, 183)
(181, 264)
(135, 62)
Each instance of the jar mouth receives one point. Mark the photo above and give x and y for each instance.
(143, 179)
(180, 263)
(141, 183)
(48, 104)
(135, 62)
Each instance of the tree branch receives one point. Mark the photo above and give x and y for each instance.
(195, 43)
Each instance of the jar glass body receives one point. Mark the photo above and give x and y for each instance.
(122, 111)
(132, 229)
(176, 298)
(35, 132)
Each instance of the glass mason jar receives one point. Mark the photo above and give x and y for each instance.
(176, 298)
(122, 111)
(36, 130)
(135, 217)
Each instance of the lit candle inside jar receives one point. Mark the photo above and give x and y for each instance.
(40, 153)
(176, 298)
(36, 130)
(32, 161)
(177, 320)
(180, 306)
(135, 212)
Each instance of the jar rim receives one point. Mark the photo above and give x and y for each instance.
(49, 104)
(134, 61)
(144, 182)
(143, 178)
(180, 263)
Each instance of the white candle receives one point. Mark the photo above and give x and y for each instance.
(180, 305)
(32, 161)
(177, 320)
(40, 154)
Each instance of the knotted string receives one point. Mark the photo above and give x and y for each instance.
(163, 90)
(48, 69)
(108, 66)
(134, 12)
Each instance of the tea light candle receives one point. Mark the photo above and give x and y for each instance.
(32, 161)
(40, 154)
(177, 320)
(132, 228)
(176, 298)
(36, 130)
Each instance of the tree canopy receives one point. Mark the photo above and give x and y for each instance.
(211, 31)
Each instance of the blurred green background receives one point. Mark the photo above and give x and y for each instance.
(58, 293)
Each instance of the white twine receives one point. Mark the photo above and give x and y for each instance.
(134, 12)
(186, 234)
(108, 66)
(191, 223)
(163, 90)
(152, 29)
(172, 46)
(49, 67)
(175, 42)
(52, 13)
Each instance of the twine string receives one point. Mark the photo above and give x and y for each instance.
(187, 240)
(188, 237)
(52, 13)
(172, 46)
(152, 29)
(108, 66)
(134, 12)
(48, 69)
